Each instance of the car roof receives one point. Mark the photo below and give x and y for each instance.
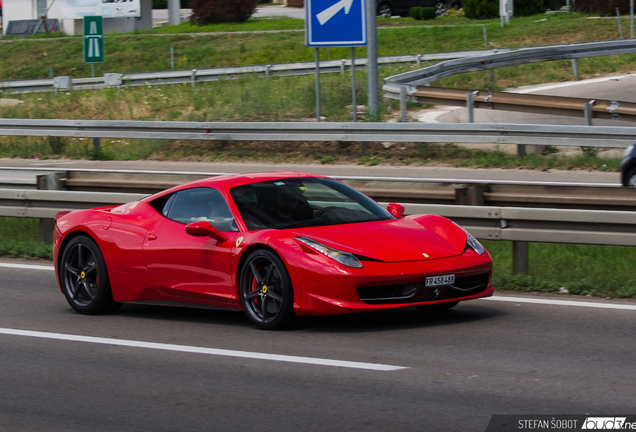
(226, 182)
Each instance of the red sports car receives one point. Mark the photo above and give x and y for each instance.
(276, 245)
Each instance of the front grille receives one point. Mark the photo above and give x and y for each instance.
(418, 292)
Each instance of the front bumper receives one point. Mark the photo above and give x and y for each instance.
(340, 290)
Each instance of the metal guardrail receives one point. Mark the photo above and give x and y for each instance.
(593, 136)
(491, 223)
(556, 105)
(193, 76)
(427, 75)
(422, 191)
(520, 224)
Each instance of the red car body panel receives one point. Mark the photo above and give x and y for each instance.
(151, 258)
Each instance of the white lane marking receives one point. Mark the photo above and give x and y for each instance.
(562, 303)
(27, 266)
(200, 350)
(569, 84)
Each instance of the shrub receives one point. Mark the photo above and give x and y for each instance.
(484, 9)
(422, 13)
(416, 12)
(221, 11)
(428, 13)
(481, 9)
(455, 13)
(604, 7)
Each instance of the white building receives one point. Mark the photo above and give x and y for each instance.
(34, 9)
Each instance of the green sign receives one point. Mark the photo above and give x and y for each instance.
(93, 39)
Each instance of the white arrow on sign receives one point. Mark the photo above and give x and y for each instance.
(328, 13)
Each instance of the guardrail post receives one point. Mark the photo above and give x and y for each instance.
(171, 57)
(519, 257)
(364, 146)
(51, 181)
(194, 77)
(267, 68)
(575, 69)
(620, 26)
(342, 67)
(470, 105)
(97, 145)
(419, 60)
(403, 104)
(485, 36)
(491, 75)
(521, 150)
(587, 111)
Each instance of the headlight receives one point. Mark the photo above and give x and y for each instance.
(472, 242)
(344, 258)
(628, 150)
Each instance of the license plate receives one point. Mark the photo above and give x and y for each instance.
(434, 281)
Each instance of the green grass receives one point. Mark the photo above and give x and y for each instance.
(605, 271)
(137, 52)
(19, 238)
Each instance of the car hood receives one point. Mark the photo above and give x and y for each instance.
(412, 238)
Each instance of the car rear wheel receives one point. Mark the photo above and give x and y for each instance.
(631, 178)
(384, 10)
(435, 308)
(84, 278)
(266, 291)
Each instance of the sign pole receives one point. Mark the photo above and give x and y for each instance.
(318, 85)
(337, 23)
(353, 84)
(373, 105)
(631, 16)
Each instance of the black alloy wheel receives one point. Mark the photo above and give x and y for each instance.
(436, 308)
(84, 278)
(266, 290)
(631, 178)
(384, 10)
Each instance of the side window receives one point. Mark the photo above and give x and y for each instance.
(200, 204)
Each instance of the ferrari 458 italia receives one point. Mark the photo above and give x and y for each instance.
(275, 245)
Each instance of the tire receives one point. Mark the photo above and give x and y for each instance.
(84, 278)
(436, 308)
(440, 9)
(630, 179)
(266, 291)
(384, 10)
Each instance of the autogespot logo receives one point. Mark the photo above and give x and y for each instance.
(605, 423)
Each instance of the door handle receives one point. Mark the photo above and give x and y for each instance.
(151, 237)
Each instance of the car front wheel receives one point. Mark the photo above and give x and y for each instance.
(84, 278)
(266, 290)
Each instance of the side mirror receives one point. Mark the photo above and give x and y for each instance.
(205, 229)
(395, 209)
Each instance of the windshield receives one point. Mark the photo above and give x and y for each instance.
(305, 202)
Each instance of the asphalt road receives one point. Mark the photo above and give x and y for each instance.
(484, 357)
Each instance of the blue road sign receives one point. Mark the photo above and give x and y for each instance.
(335, 23)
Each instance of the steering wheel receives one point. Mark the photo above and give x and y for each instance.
(324, 211)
